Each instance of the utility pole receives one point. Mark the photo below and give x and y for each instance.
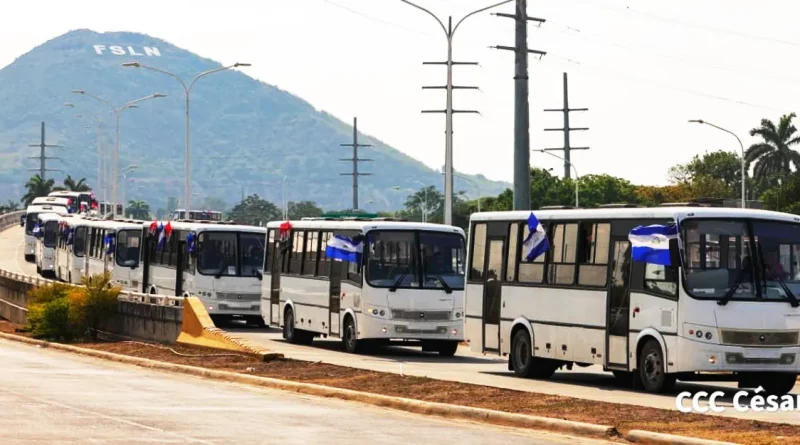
(449, 30)
(355, 160)
(43, 156)
(567, 148)
(522, 163)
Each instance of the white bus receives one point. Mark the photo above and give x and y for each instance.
(70, 249)
(407, 284)
(53, 201)
(221, 264)
(30, 223)
(80, 202)
(196, 215)
(46, 238)
(730, 309)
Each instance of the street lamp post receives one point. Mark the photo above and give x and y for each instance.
(187, 90)
(744, 169)
(449, 31)
(100, 179)
(477, 188)
(118, 112)
(577, 177)
(127, 169)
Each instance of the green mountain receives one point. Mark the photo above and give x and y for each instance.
(246, 135)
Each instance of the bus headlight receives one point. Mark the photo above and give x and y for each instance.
(705, 334)
(457, 315)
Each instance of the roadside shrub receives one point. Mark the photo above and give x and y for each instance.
(94, 303)
(61, 312)
(49, 314)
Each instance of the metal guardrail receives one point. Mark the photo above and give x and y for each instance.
(10, 219)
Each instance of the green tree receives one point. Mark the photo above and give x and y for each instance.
(138, 210)
(597, 190)
(254, 211)
(10, 206)
(714, 175)
(774, 156)
(428, 201)
(784, 196)
(38, 187)
(303, 209)
(76, 186)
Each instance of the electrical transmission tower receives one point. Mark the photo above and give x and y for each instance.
(355, 160)
(43, 156)
(567, 148)
(522, 155)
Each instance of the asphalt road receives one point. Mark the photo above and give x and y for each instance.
(52, 397)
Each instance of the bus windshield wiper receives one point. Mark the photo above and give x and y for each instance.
(400, 280)
(789, 295)
(728, 295)
(447, 288)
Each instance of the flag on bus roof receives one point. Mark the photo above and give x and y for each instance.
(536, 244)
(650, 244)
(343, 248)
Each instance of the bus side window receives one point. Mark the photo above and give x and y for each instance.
(511, 265)
(561, 269)
(312, 250)
(530, 272)
(296, 258)
(324, 266)
(593, 249)
(660, 279)
(478, 251)
(270, 251)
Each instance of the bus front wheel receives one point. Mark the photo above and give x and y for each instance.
(651, 373)
(523, 363)
(292, 335)
(350, 338)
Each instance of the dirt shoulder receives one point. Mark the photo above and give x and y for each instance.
(623, 417)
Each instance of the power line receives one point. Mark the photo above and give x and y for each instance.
(657, 17)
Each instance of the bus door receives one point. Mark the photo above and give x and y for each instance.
(338, 269)
(618, 303)
(492, 291)
(275, 282)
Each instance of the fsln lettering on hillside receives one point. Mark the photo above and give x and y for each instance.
(117, 50)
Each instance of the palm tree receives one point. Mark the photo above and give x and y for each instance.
(79, 186)
(138, 210)
(37, 187)
(774, 157)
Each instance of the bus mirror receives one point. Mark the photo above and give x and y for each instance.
(674, 253)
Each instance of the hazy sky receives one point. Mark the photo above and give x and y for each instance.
(642, 68)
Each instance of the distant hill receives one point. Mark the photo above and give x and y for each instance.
(245, 134)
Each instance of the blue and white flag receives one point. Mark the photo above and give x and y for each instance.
(109, 243)
(650, 244)
(343, 248)
(536, 244)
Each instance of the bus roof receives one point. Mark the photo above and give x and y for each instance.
(209, 226)
(635, 213)
(45, 208)
(365, 226)
(47, 216)
(68, 193)
(53, 200)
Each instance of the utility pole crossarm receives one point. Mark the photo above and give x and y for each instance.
(514, 16)
(566, 129)
(511, 48)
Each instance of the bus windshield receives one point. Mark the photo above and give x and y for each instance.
(50, 233)
(398, 258)
(230, 254)
(742, 260)
(128, 247)
(31, 219)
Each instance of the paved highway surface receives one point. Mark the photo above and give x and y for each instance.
(587, 383)
(52, 397)
(12, 246)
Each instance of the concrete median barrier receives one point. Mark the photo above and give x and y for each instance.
(198, 329)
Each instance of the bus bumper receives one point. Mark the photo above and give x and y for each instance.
(387, 329)
(698, 356)
(233, 308)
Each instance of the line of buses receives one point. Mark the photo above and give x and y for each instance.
(727, 310)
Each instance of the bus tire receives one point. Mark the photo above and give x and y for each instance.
(349, 336)
(448, 348)
(777, 383)
(521, 358)
(292, 335)
(29, 258)
(650, 371)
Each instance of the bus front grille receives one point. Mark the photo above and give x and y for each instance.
(233, 296)
(405, 330)
(760, 338)
(400, 314)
